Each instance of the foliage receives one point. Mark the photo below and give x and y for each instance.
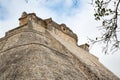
(108, 11)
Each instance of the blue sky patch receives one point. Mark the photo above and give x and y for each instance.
(3, 13)
(63, 7)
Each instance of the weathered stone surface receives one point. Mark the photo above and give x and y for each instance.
(85, 46)
(44, 50)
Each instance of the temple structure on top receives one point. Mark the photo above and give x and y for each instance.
(47, 23)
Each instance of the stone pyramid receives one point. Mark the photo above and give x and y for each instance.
(41, 49)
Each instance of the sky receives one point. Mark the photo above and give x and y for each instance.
(79, 18)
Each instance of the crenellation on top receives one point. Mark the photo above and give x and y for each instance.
(43, 24)
(26, 17)
(61, 27)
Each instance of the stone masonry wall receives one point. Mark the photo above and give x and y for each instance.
(42, 49)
